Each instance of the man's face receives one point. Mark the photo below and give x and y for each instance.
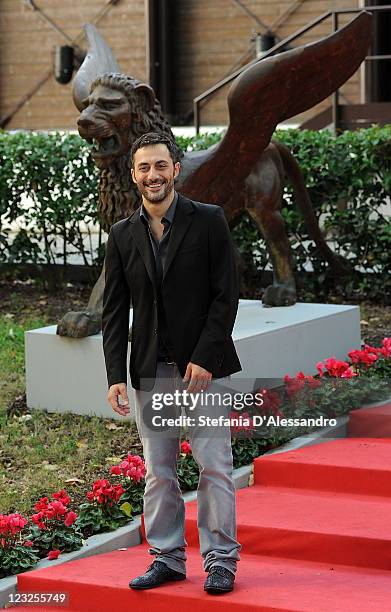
(154, 172)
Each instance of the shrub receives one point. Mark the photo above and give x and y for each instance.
(348, 178)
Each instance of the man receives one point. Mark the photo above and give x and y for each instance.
(174, 259)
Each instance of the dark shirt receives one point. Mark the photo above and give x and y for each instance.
(159, 249)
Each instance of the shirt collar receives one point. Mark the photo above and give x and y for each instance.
(169, 214)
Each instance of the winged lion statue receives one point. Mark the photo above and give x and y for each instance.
(244, 173)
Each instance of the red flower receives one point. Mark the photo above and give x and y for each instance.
(335, 368)
(242, 426)
(116, 470)
(28, 543)
(42, 504)
(320, 368)
(54, 554)
(367, 356)
(16, 523)
(12, 524)
(37, 519)
(62, 496)
(271, 403)
(103, 492)
(70, 518)
(385, 350)
(185, 447)
(314, 383)
(294, 385)
(57, 508)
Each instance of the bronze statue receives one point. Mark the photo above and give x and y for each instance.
(244, 172)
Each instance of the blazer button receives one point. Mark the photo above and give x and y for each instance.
(155, 331)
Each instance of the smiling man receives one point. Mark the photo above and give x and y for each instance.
(174, 259)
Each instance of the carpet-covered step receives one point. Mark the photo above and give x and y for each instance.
(264, 584)
(312, 525)
(374, 422)
(350, 465)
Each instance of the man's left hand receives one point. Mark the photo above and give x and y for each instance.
(199, 378)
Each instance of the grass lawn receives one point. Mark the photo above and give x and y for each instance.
(42, 452)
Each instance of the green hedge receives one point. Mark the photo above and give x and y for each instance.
(349, 181)
(58, 174)
(348, 177)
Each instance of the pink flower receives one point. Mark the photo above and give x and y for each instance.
(320, 368)
(348, 373)
(53, 554)
(70, 518)
(133, 467)
(185, 447)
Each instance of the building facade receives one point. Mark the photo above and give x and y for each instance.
(182, 47)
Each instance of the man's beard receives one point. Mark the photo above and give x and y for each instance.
(160, 195)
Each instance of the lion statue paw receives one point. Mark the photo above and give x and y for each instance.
(279, 295)
(80, 324)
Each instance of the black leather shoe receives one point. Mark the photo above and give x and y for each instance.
(157, 573)
(219, 580)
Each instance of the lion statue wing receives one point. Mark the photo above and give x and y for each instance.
(99, 59)
(272, 90)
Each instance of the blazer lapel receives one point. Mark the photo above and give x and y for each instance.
(143, 244)
(181, 223)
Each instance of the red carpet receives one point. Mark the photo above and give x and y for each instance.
(371, 422)
(316, 537)
(348, 465)
(99, 584)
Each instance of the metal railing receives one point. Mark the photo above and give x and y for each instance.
(335, 26)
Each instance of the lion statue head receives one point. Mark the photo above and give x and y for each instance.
(116, 112)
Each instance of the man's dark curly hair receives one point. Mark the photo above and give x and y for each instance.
(154, 138)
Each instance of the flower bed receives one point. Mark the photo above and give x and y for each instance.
(57, 526)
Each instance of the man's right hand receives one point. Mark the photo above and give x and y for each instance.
(116, 391)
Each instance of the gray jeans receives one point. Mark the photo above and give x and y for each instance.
(164, 509)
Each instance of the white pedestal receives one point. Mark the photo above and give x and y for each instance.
(68, 375)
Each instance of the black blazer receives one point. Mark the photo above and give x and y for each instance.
(199, 292)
